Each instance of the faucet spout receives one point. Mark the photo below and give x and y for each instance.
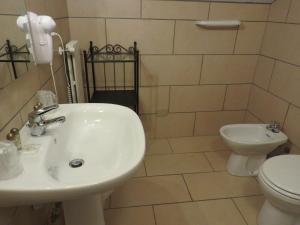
(59, 119)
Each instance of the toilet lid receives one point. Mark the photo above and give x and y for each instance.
(283, 172)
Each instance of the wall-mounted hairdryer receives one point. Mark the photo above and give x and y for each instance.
(38, 36)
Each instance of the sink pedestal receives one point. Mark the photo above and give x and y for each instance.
(85, 211)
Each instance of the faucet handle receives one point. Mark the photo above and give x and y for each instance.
(46, 109)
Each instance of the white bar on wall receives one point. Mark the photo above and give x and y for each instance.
(219, 23)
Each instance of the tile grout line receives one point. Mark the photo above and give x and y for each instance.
(153, 211)
(174, 34)
(187, 187)
(238, 209)
(210, 164)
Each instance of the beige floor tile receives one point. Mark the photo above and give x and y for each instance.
(157, 146)
(130, 216)
(216, 212)
(141, 172)
(250, 207)
(151, 190)
(218, 160)
(176, 164)
(220, 185)
(197, 144)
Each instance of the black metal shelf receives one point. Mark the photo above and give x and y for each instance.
(116, 93)
(12, 54)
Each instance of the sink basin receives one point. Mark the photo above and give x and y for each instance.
(250, 144)
(106, 143)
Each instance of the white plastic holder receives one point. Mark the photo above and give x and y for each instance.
(214, 24)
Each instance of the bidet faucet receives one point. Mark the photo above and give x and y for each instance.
(274, 127)
(38, 124)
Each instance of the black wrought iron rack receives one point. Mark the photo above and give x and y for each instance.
(114, 86)
(13, 54)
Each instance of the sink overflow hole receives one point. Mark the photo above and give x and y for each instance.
(75, 163)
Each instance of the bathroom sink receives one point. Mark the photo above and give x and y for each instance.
(98, 148)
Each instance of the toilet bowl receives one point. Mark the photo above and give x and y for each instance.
(279, 178)
(250, 144)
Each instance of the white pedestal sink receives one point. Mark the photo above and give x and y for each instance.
(109, 139)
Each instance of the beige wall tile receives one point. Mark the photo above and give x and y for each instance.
(104, 8)
(266, 106)
(250, 207)
(281, 41)
(176, 164)
(250, 118)
(197, 144)
(279, 10)
(157, 146)
(239, 11)
(295, 150)
(5, 77)
(215, 212)
(11, 31)
(26, 216)
(88, 29)
(249, 38)
(192, 39)
(291, 127)
(170, 70)
(204, 186)
(16, 7)
(218, 160)
(293, 16)
(237, 97)
(175, 10)
(27, 108)
(37, 6)
(150, 190)
(163, 126)
(154, 99)
(14, 96)
(57, 8)
(264, 71)
(228, 69)
(16, 122)
(130, 216)
(141, 172)
(152, 36)
(209, 123)
(197, 98)
(285, 82)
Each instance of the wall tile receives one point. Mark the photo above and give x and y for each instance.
(209, 123)
(37, 6)
(249, 38)
(279, 10)
(104, 8)
(88, 29)
(264, 71)
(285, 82)
(175, 10)
(291, 125)
(16, 7)
(250, 118)
(5, 77)
(228, 69)
(239, 11)
(152, 36)
(266, 106)
(192, 39)
(170, 70)
(281, 41)
(16, 122)
(237, 97)
(28, 107)
(6, 214)
(154, 99)
(197, 98)
(11, 31)
(293, 16)
(57, 8)
(160, 126)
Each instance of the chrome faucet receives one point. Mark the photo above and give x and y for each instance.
(274, 127)
(38, 124)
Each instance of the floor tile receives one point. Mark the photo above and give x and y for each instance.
(158, 146)
(218, 160)
(130, 216)
(150, 190)
(141, 172)
(250, 207)
(214, 212)
(176, 164)
(220, 185)
(197, 144)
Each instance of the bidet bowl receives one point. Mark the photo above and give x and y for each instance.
(251, 139)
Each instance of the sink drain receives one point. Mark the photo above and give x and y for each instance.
(75, 163)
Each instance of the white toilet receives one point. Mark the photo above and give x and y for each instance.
(250, 144)
(279, 178)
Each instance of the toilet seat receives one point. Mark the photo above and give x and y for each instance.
(282, 174)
